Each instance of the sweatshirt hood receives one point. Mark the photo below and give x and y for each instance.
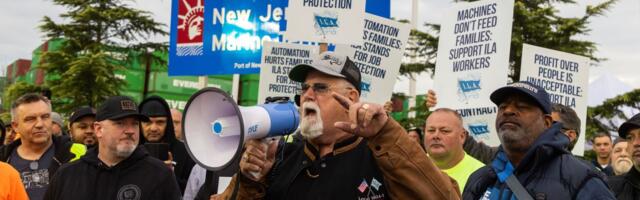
(155, 106)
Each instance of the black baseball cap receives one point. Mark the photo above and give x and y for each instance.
(540, 96)
(331, 64)
(118, 107)
(630, 124)
(81, 112)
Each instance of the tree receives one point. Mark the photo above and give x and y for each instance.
(94, 37)
(14, 91)
(534, 22)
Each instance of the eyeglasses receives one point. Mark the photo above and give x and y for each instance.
(319, 88)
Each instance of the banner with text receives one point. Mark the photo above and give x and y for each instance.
(564, 76)
(379, 57)
(329, 21)
(480, 123)
(277, 61)
(473, 53)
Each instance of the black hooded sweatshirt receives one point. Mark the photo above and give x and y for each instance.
(139, 177)
(184, 163)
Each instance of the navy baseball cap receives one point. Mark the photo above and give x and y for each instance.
(118, 107)
(540, 96)
(330, 64)
(81, 112)
(630, 124)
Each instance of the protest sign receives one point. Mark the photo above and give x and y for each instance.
(277, 60)
(379, 57)
(480, 123)
(328, 21)
(564, 76)
(473, 53)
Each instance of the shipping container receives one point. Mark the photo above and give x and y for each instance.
(249, 85)
(133, 79)
(162, 82)
(9, 73)
(135, 95)
(20, 68)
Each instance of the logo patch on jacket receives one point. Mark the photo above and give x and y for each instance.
(367, 190)
(129, 192)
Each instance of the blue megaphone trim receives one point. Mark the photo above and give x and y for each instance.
(284, 118)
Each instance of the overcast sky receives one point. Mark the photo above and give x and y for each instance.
(616, 33)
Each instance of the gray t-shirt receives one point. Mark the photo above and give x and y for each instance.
(35, 177)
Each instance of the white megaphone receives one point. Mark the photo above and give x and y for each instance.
(215, 127)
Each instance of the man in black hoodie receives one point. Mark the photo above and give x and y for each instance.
(159, 129)
(118, 168)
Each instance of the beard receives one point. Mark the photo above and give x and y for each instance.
(311, 122)
(124, 150)
(621, 166)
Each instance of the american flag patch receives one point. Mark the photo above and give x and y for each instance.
(363, 186)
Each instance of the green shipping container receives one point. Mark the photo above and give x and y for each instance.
(136, 95)
(134, 79)
(163, 83)
(249, 85)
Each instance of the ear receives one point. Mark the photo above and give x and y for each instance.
(97, 129)
(548, 121)
(463, 136)
(14, 125)
(353, 95)
(572, 135)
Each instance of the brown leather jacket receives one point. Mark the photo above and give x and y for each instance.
(408, 172)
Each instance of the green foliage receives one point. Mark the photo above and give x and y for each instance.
(599, 118)
(96, 33)
(18, 89)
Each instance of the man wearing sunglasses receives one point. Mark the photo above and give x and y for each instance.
(351, 149)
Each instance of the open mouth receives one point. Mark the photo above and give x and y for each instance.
(310, 112)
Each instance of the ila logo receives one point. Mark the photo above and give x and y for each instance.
(326, 24)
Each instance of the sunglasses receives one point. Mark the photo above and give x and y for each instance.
(316, 87)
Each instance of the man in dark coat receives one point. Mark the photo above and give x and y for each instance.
(532, 161)
(159, 129)
(118, 168)
(628, 186)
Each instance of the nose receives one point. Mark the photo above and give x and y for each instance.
(39, 122)
(308, 95)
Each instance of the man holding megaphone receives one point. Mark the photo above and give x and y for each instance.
(352, 150)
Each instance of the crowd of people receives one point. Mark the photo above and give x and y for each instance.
(344, 149)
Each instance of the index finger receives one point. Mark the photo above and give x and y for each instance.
(344, 101)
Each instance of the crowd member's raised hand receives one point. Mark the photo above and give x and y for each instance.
(365, 119)
(432, 100)
(388, 106)
(258, 158)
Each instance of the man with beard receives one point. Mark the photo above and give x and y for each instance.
(160, 130)
(118, 168)
(81, 126)
(532, 160)
(37, 155)
(351, 150)
(620, 161)
(628, 186)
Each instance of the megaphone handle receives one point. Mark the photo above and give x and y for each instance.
(268, 141)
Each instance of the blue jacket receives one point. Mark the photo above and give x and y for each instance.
(547, 171)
